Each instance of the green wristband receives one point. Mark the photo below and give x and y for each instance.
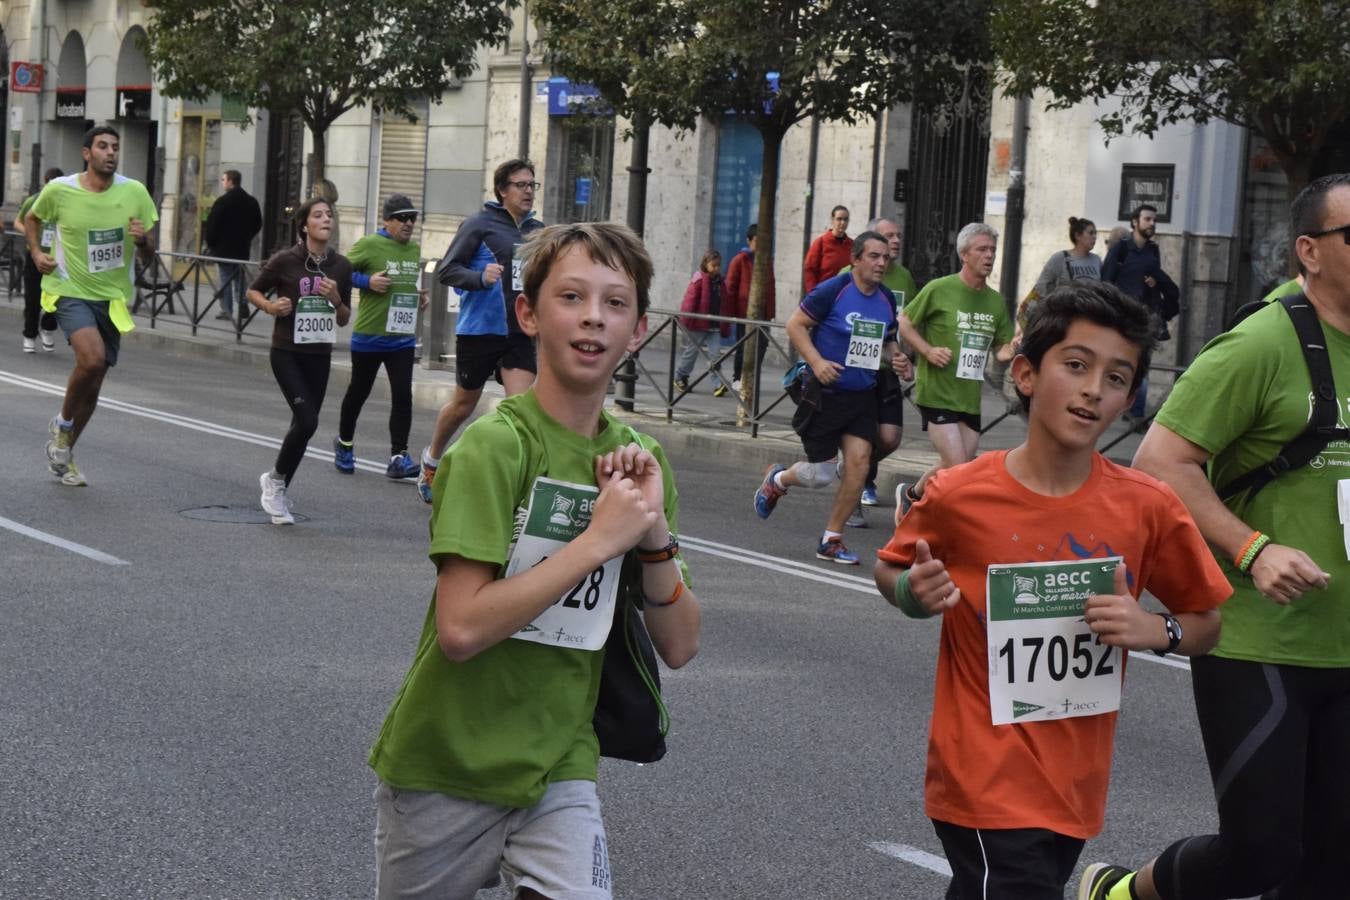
(905, 601)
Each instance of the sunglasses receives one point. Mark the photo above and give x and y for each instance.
(1344, 230)
(404, 217)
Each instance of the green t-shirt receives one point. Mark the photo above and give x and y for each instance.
(375, 254)
(1242, 399)
(502, 726)
(898, 279)
(93, 246)
(44, 239)
(949, 313)
(1288, 289)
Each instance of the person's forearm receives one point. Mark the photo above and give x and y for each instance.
(32, 234)
(799, 335)
(674, 627)
(1216, 522)
(479, 618)
(913, 338)
(1199, 632)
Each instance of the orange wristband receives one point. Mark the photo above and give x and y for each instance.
(679, 592)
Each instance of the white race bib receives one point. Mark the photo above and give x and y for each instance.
(105, 249)
(315, 321)
(517, 273)
(1044, 661)
(974, 353)
(402, 318)
(558, 511)
(864, 344)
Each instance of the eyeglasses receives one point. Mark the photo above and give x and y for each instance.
(404, 217)
(1344, 230)
(524, 185)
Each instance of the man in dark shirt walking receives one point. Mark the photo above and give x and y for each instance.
(231, 225)
(1135, 266)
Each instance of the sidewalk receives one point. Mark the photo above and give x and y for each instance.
(701, 423)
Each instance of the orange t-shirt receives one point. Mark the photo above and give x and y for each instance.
(1046, 774)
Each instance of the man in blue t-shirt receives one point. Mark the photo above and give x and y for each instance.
(842, 330)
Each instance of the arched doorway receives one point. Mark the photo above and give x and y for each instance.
(71, 118)
(133, 110)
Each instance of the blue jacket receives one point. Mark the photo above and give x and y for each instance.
(495, 229)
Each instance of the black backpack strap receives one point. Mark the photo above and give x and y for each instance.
(1322, 426)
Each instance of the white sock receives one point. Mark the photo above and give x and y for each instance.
(428, 459)
(778, 480)
(831, 536)
(64, 423)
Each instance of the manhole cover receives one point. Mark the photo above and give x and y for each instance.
(231, 515)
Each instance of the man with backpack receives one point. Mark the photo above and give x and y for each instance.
(1135, 266)
(1253, 440)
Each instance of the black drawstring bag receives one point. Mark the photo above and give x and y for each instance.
(630, 718)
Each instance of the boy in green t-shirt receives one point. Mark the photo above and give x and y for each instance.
(487, 759)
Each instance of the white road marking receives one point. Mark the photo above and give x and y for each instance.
(778, 564)
(81, 549)
(914, 855)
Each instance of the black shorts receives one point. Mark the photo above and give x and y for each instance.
(1026, 863)
(479, 357)
(823, 417)
(933, 415)
(890, 399)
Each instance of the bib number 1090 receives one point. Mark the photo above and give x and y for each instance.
(1051, 657)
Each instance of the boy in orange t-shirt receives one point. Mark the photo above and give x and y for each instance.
(1035, 557)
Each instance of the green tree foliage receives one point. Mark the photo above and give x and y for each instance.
(1278, 67)
(677, 60)
(320, 58)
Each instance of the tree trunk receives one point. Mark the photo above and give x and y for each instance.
(763, 270)
(320, 137)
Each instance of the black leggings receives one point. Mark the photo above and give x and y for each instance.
(32, 301)
(303, 378)
(1278, 742)
(398, 365)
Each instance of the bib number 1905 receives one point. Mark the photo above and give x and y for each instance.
(1052, 657)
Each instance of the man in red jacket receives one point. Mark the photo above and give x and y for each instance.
(829, 253)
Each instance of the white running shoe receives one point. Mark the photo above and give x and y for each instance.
(29, 345)
(274, 500)
(71, 477)
(48, 339)
(58, 448)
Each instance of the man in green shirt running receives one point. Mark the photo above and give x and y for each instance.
(97, 218)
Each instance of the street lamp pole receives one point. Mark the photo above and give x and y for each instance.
(525, 88)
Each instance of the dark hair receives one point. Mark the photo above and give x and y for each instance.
(616, 246)
(233, 176)
(710, 255)
(1077, 227)
(1138, 210)
(752, 232)
(837, 208)
(1310, 206)
(860, 242)
(301, 215)
(1099, 302)
(51, 173)
(502, 174)
(96, 131)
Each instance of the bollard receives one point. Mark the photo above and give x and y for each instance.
(439, 321)
(625, 384)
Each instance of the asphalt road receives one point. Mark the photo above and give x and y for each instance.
(189, 715)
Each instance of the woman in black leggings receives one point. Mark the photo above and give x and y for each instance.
(312, 287)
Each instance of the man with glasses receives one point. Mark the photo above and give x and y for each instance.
(1273, 698)
(484, 265)
(386, 267)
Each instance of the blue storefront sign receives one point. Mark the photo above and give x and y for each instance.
(568, 99)
(583, 195)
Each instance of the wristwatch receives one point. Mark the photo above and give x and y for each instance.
(1173, 634)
